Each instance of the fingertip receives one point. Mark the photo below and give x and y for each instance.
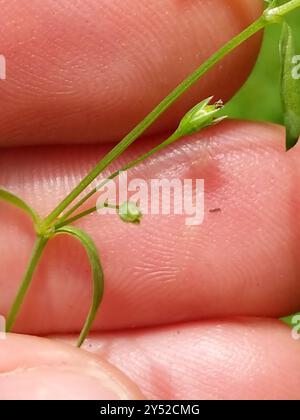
(52, 371)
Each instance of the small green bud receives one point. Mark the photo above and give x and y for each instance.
(201, 116)
(130, 213)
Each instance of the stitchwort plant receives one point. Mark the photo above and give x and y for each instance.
(206, 113)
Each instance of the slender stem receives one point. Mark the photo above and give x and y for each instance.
(37, 252)
(175, 136)
(153, 116)
(75, 218)
(64, 222)
(81, 202)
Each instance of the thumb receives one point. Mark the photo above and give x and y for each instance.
(39, 369)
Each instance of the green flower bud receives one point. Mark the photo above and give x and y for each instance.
(201, 116)
(130, 213)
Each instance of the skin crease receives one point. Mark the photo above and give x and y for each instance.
(162, 277)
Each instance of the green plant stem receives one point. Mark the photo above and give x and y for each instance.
(73, 219)
(154, 115)
(64, 222)
(37, 252)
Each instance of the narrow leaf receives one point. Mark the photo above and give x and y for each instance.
(98, 277)
(290, 88)
(18, 202)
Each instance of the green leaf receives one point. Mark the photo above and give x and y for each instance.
(18, 202)
(98, 277)
(36, 256)
(290, 87)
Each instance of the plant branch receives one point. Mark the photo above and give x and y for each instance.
(269, 16)
(64, 222)
(130, 165)
(155, 114)
(38, 249)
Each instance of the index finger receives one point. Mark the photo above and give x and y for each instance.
(88, 71)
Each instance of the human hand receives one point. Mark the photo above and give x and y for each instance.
(186, 313)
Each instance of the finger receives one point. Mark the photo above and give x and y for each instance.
(89, 71)
(238, 359)
(47, 370)
(231, 359)
(242, 260)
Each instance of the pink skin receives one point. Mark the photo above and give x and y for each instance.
(162, 275)
(45, 370)
(247, 186)
(93, 70)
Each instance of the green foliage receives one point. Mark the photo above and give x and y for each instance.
(290, 87)
(259, 99)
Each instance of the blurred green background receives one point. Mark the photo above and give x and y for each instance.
(259, 99)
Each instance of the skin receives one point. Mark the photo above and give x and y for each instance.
(188, 312)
